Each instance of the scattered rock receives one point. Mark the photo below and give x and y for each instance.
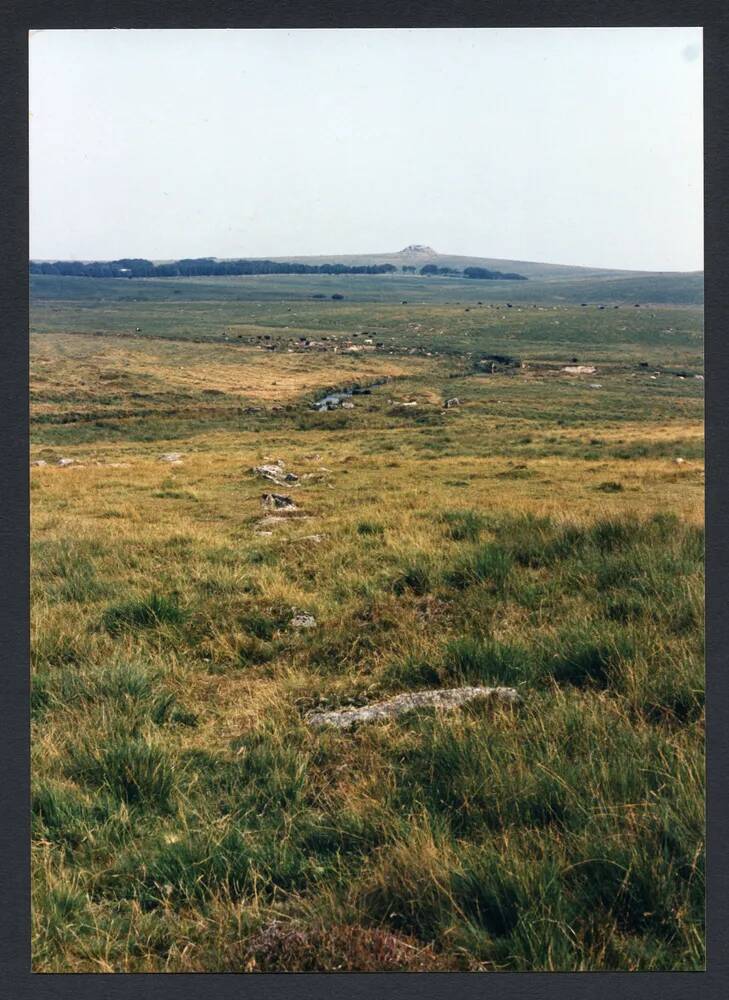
(579, 369)
(679, 461)
(174, 457)
(699, 377)
(276, 473)
(347, 406)
(65, 462)
(446, 699)
(269, 471)
(39, 463)
(450, 403)
(303, 620)
(277, 501)
(595, 385)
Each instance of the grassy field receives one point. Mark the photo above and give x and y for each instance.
(545, 534)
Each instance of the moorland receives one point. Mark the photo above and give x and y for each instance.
(543, 532)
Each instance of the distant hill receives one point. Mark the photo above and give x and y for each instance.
(374, 276)
(417, 255)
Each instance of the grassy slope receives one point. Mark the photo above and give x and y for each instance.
(528, 268)
(541, 535)
(625, 288)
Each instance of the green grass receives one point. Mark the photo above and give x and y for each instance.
(540, 536)
(148, 613)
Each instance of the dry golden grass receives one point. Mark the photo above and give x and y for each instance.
(187, 819)
(70, 370)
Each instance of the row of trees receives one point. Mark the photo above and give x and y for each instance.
(472, 272)
(195, 267)
(138, 267)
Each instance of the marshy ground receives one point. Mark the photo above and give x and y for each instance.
(544, 534)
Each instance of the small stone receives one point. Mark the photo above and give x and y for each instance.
(174, 457)
(39, 463)
(65, 462)
(303, 620)
(274, 473)
(277, 501)
(446, 699)
(450, 403)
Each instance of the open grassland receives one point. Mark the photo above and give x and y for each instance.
(625, 288)
(540, 535)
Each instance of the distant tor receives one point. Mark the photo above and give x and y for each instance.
(418, 248)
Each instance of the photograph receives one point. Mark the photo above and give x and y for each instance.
(366, 500)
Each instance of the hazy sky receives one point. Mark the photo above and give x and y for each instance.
(575, 146)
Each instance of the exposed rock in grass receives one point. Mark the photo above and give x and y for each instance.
(579, 369)
(39, 463)
(303, 620)
(174, 457)
(65, 462)
(275, 472)
(447, 699)
(277, 501)
(450, 403)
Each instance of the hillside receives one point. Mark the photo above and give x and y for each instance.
(417, 255)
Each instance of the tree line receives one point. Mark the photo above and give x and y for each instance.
(138, 267)
(195, 267)
(472, 272)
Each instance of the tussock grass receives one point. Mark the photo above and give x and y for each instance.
(154, 610)
(132, 770)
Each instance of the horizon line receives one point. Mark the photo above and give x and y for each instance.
(380, 253)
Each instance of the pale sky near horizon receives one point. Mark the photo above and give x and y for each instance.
(573, 146)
